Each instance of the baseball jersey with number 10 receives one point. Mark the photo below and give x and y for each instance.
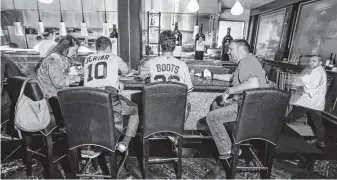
(101, 70)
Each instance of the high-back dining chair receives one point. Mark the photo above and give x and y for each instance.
(89, 120)
(164, 107)
(260, 117)
(33, 91)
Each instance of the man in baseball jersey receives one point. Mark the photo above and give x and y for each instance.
(167, 68)
(101, 71)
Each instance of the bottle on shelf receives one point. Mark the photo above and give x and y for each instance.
(178, 42)
(327, 62)
(334, 63)
(199, 44)
(114, 40)
(225, 45)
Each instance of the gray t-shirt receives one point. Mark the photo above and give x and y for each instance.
(250, 67)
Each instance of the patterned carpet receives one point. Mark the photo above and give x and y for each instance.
(192, 169)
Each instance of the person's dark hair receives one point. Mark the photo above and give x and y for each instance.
(13, 45)
(242, 42)
(167, 41)
(62, 47)
(38, 38)
(47, 33)
(102, 43)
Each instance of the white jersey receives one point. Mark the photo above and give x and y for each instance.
(165, 68)
(101, 69)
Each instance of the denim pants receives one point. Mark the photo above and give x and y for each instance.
(124, 109)
(216, 118)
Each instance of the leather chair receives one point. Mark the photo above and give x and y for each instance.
(260, 117)
(33, 91)
(164, 107)
(89, 120)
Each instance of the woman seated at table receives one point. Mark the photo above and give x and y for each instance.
(53, 70)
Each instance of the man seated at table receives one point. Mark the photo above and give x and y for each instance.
(166, 67)
(101, 71)
(248, 75)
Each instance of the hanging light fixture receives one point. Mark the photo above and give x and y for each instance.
(196, 26)
(237, 9)
(84, 30)
(46, 1)
(193, 6)
(17, 24)
(105, 24)
(62, 27)
(40, 28)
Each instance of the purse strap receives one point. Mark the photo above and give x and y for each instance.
(23, 88)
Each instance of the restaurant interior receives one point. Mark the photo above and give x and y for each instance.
(284, 35)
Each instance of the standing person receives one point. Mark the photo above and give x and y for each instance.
(47, 43)
(312, 99)
(53, 71)
(248, 75)
(101, 71)
(167, 67)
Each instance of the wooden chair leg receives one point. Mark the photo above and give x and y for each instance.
(140, 154)
(49, 157)
(27, 144)
(270, 160)
(235, 160)
(146, 154)
(73, 159)
(266, 158)
(113, 168)
(180, 154)
(103, 164)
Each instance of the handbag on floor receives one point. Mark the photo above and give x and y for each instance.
(31, 116)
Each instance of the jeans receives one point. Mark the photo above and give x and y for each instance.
(314, 120)
(216, 118)
(124, 108)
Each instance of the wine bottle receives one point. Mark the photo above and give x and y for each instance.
(334, 61)
(199, 45)
(327, 62)
(225, 45)
(178, 42)
(114, 40)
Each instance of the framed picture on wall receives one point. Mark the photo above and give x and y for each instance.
(315, 32)
(269, 34)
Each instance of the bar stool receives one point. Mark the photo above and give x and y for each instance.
(260, 117)
(164, 107)
(89, 121)
(33, 91)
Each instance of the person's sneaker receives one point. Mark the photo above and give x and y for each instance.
(317, 143)
(173, 139)
(89, 154)
(228, 155)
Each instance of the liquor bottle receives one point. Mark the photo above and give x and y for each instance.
(114, 40)
(178, 42)
(225, 45)
(199, 45)
(334, 63)
(328, 61)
